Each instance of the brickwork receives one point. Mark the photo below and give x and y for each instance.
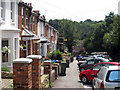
(22, 77)
(36, 71)
(48, 69)
(56, 68)
(36, 74)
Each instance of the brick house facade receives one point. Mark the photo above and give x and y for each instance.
(27, 23)
(52, 35)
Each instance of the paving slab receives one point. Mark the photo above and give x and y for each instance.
(6, 83)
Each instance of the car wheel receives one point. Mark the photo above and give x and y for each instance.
(82, 69)
(84, 79)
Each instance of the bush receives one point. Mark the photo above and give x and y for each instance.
(6, 69)
(59, 55)
(55, 55)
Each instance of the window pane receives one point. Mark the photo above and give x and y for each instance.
(27, 17)
(22, 16)
(91, 62)
(12, 11)
(97, 67)
(34, 24)
(4, 56)
(3, 10)
(114, 76)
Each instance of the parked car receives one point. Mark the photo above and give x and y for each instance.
(85, 76)
(83, 61)
(107, 77)
(78, 58)
(91, 63)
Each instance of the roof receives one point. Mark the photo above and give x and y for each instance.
(99, 53)
(113, 67)
(27, 35)
(116, 63)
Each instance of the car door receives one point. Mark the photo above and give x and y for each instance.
(98, 79)
(95, 69)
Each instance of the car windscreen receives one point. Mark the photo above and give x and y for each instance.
(106, 60)
(113, 76)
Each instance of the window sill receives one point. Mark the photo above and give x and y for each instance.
(2, 22)
(12, 22)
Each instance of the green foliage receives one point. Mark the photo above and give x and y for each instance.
(55, 55)
(73, 31)
(59, 55)
(97, 35)
(5, 68)
(5, 50)
(67, 54)
(49, 55)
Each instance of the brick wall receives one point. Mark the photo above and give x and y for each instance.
(48, 69)
(22, 77)
(20, 18)
(36, 73)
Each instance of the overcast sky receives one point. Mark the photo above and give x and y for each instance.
(76, 10)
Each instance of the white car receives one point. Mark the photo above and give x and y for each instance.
(107, 77)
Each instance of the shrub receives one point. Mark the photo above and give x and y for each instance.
(5, 69)
(59, 55)
(55, 55)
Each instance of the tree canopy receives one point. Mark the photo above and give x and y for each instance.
(101, 35)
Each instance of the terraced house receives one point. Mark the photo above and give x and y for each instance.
(52, 35)
(23, 32)
(9, 31)
(27, 23)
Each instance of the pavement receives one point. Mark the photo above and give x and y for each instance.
(71, 80)
(6, 83)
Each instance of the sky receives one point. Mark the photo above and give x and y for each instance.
(76, 10)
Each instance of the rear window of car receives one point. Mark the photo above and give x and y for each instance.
(106, 60)
(113, 76)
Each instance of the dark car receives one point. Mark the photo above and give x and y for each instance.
(83, 61)
(91, 63)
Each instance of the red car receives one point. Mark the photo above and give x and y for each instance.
(85, 76)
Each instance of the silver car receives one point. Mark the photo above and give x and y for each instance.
(107, 77)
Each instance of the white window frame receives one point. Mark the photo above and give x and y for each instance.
(4, 39)
(22, 12)
(2, 10)
(27, 17)
(33, 24)
(26, 48)
(49, 32)
(12, 11)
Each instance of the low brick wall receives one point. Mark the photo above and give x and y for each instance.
(53, 75)
(44, 81)
(7, 75)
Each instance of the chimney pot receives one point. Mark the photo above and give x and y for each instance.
(30, 4)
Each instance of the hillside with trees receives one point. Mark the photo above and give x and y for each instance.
(97, 35)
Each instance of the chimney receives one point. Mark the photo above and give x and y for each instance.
(30, 4)
(26, 3)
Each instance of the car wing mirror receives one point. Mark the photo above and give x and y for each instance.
(92, 75)
(91, 68)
